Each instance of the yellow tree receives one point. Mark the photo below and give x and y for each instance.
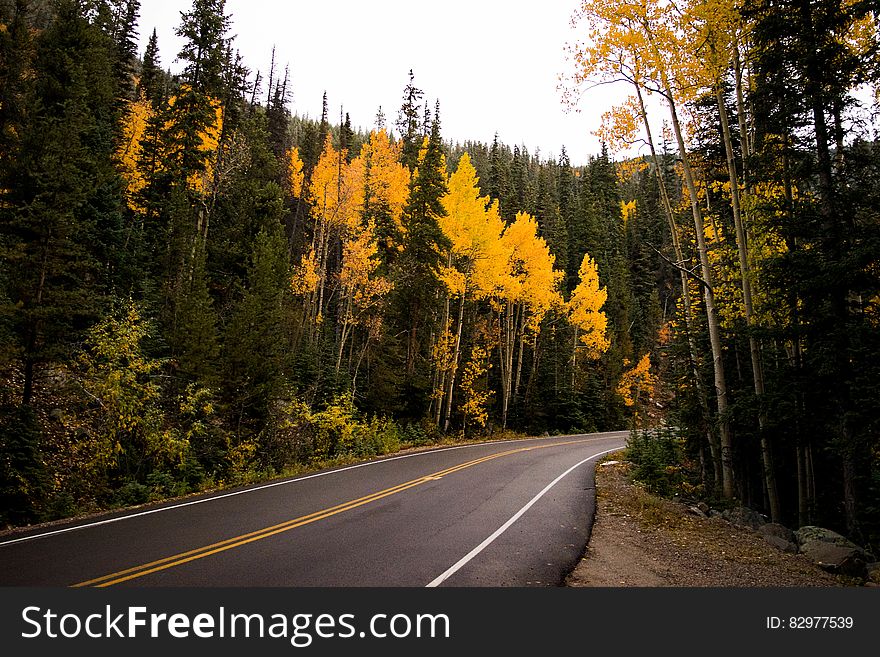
(637, 382)
(528, 289)
(336, 195)
(585, 313)
(294, 170)
(386, 190)
(475, 265)
(137, 116)
(362, 288)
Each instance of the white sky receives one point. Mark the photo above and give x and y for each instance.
(493, 64)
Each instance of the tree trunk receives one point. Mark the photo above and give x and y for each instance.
(714, 446)
(769, 471)
(727, 467)
(454, 368)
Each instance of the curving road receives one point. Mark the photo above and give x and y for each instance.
(513, 513)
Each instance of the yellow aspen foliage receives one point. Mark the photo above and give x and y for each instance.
(585, 309)
(530, 277)
(627, 210)
(138, 114)
(637, 382)
(324, 185)
(475, 407)
(358, 276)
(386, 180)
(305, 276)
(619, 127)
(295, 175)
(363, 289)
(442, 357)
(336, 187)
(474, 228)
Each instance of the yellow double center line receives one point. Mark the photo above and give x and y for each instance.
(266, 532)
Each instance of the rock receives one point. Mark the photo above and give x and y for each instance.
(604, 464)
(837, 559)
(715, 513)
(811, 533)
(702, 506)
(777, 530)
(780, 543)
(832, 551)
(874, 572)
(745, 517)
(696, 511)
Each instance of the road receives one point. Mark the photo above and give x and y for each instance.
(513, 513)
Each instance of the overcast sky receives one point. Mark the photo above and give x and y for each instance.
(493, 64)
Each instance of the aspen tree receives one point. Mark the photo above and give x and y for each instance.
(644, 31)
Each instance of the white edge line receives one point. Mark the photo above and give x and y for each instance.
(98, 523)
(503, 528)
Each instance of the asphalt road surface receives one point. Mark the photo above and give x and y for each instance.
(514, 513)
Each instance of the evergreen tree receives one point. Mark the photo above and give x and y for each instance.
(256, 351)
(152, 80)
(416, 283)
(62, 198)
(409, 124)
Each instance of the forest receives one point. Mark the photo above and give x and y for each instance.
(200, 289)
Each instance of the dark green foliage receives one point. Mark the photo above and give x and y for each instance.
(22, 474)
(61, 207)
(409, 123)
(658, 456)
(257, 353)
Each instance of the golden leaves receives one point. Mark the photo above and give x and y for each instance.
(336, 189)
(530, 278)
(585, 309)
(360, 262)
(619, 128)
(474, 228)
(636, 382)
(295, 175)
(138, 114)
(305, 277)
(386, 181)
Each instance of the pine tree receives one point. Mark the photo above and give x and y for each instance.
(256, 350)
(409, 124)
(416, 282)
(62, 198)
(151, 84)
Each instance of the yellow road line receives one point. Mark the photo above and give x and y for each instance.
(237, 541)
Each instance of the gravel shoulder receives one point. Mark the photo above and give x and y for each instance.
(643, 541)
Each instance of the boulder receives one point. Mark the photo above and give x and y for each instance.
(812, 533)
(778, 531)
(745, 517)
(780, 543)
(874, 572)
(837, 559)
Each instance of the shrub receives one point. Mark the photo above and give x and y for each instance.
(658, 457)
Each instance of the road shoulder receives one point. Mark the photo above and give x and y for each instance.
(641, 540)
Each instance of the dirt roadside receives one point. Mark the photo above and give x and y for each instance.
(641, 540)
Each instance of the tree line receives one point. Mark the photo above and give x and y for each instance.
(199, 288)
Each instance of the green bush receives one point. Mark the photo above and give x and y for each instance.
(658, 457)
